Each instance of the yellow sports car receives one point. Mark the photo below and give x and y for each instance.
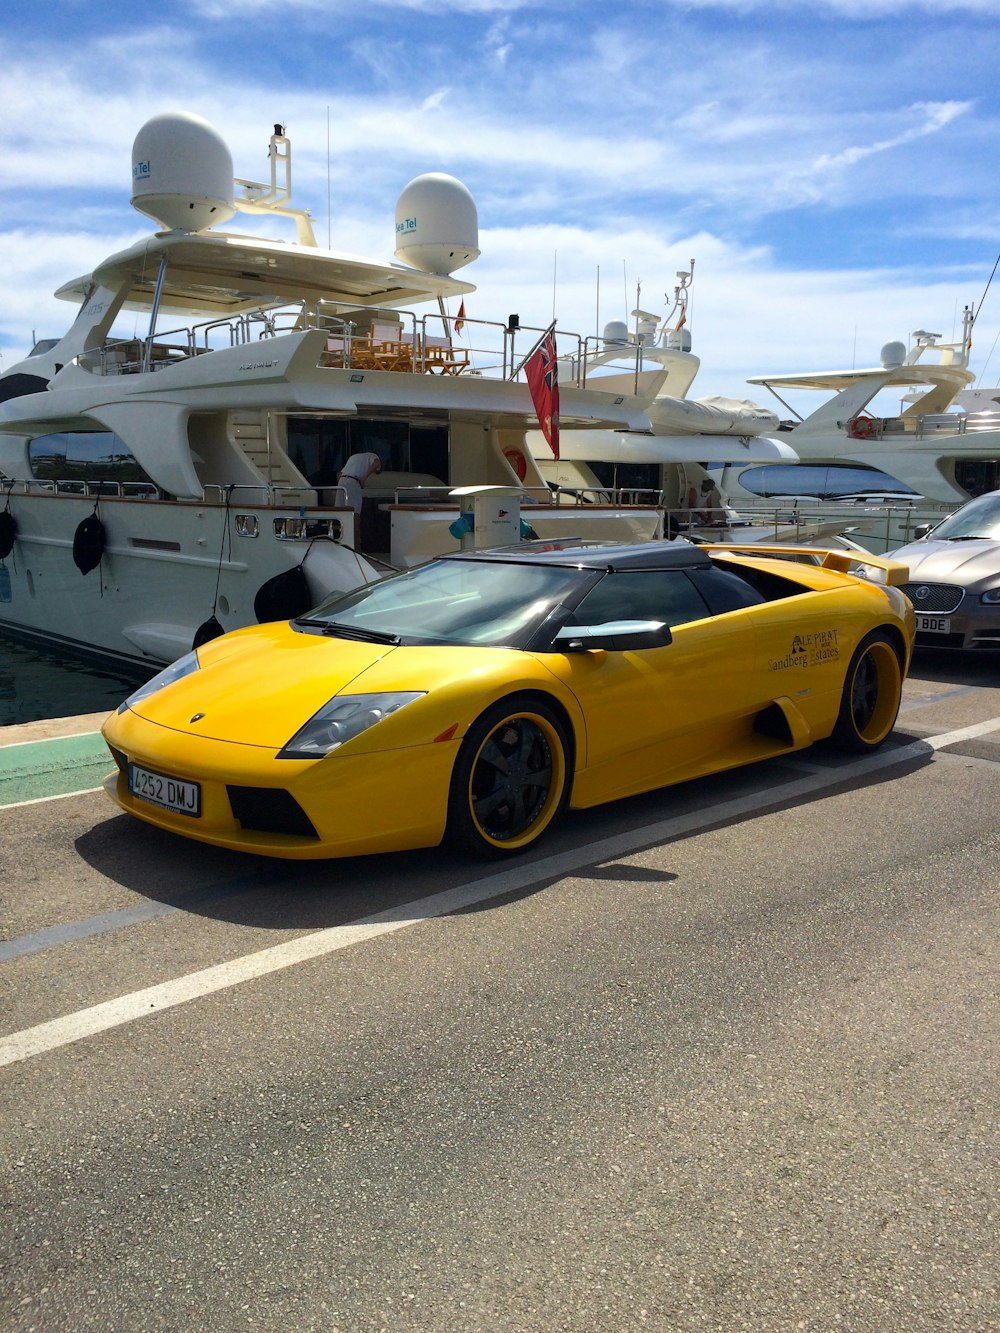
(472, 698)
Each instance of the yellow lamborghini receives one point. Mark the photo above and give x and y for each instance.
(474, 697)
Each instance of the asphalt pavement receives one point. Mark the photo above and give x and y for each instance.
(721, 1057)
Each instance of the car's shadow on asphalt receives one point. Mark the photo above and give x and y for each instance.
(268, 893)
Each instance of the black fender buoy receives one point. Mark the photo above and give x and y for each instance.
(211, 629)
(89, 542)
(283, 597)
(8, 532)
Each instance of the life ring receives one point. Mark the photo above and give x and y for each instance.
(518, 462)
(862, 428)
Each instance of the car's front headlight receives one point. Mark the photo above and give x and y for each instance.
(341, 720)
(991, 598)
(176, 671)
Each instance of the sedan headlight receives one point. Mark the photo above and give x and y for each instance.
(991, 598)
(176, 671)
(341, 720)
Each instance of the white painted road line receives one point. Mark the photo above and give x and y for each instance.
(59, 796)
(154, 999)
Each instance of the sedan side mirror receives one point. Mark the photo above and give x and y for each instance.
(614, 636)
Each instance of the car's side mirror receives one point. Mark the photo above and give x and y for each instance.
(922, 529)
(614, 636)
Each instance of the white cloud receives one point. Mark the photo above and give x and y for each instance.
(861, 10)
(227, 10)
(934, 117)
(644, 140)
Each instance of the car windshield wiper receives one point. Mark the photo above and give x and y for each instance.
(334, 628)
(971, 537)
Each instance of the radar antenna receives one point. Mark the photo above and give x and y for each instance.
(276, 196)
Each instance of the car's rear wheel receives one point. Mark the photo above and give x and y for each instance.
(511, 778)
(873, 688)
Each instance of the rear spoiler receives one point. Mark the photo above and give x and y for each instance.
(894, 573)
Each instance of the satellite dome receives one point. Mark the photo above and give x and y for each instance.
(893, 355)
(679, 340)
(615, 333)
(182, 172)
(437, 226)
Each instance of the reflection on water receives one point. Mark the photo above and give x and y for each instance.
(38, 682)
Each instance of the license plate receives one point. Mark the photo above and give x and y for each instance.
(934, 624)
(170, 793)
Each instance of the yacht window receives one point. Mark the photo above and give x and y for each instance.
(320, 446)
(627, 476)
(820, 481)
(84, 455)
(978, 475)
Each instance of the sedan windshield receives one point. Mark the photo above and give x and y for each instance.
(473, 602)
(978, 518)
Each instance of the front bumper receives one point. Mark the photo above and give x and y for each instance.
(972, 625)
(343, 805)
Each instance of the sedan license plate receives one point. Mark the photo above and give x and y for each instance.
(934, 624)
(170, 793)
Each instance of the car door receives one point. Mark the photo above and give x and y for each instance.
(655, 715)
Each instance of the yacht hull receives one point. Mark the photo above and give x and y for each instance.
(166, 569)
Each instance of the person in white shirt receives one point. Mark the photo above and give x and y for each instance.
(353, 475)
(710, 508)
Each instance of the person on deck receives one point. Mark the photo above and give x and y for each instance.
(710, 508)
(353, 475)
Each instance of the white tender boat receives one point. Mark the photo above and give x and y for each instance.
(161, 487)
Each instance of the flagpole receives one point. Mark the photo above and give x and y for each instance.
(534, 348)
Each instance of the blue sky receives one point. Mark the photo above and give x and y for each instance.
(830, 166)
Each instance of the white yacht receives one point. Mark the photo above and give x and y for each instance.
(158, 489)
(940, 448)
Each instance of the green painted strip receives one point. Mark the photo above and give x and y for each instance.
(56, 767)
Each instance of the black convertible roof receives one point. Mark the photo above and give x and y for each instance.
(595, 555)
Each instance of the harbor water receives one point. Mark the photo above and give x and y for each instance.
(38, 682)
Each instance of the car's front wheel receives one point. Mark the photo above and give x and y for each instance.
(870, 701)
(511, 778)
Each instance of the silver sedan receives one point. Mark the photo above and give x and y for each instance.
(954, 581)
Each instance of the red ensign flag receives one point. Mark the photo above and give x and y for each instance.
(543, 381)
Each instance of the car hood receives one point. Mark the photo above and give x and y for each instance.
(259, 685)
(962, 562)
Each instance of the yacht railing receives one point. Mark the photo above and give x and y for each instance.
(92, 489)
(877, 527)
(265, 495)
(932, 423)
(625, 497)
(386, 339)
(250, 494)
(958, 423)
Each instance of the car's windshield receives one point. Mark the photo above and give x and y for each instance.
(978, 518)
(451, 601)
